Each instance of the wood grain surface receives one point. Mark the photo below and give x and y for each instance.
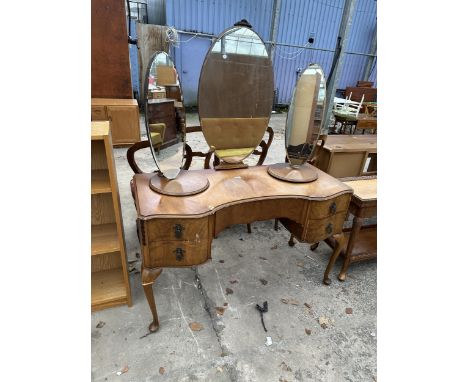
(365, 189)
(228, 188)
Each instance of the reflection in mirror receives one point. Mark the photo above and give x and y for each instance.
(235, 95)
(165, 128)
(303, 126)
(306, 112)
(165, 116)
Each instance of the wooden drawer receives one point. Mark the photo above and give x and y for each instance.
(260, 210)
(323, 209)
(98, 113)
(193, 230)
(163, 110)
(177, 253)
(155, 114)
(319, 229)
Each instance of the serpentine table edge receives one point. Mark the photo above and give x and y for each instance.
(177, 231)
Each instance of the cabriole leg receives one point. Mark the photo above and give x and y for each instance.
(148, 276)
(357, 224)
(291, 241)
(339, 239)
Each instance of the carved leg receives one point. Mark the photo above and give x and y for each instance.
(357, 223)
(276, 224)
(291, 241)
(249, 228)
(147, 279)
(340, 240)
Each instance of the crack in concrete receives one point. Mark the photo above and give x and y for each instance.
(218, 326)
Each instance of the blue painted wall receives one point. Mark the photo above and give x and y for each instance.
(298, 18)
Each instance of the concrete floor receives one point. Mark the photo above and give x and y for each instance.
(232, 346)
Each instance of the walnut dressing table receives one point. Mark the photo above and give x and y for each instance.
(176, 231)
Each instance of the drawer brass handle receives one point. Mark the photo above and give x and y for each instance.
(179, 254)
(178, 228)
(333, 208)
(329, 228)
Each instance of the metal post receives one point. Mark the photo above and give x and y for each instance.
(334, 77)
(370, 60)
(274, 27)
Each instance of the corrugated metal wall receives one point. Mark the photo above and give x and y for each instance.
(156, 12)
(298, 19)
(214, 16)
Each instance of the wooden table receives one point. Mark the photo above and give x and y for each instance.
(177, 231)
(366, 122)
(346, 155)
(363, 121)
(361, 241)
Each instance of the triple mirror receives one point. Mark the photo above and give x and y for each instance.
(303, 127)
(235, 94)
(165, 127)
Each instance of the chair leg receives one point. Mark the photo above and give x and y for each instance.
(291, 241)
(249, 228)
(276, 224)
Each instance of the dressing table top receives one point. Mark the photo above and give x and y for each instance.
(349, 143)
(230, 187)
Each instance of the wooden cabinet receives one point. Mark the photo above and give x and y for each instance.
(163, 111)
(123, 115)
(110, 62)
(109, 277)
(346, 155)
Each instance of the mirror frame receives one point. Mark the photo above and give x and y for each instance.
(145, 97)
(313, 144)
(240, 24)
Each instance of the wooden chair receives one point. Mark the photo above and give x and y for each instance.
(157, 131)
(347, 114)
(261, 151)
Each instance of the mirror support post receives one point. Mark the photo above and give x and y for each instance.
(335, 75)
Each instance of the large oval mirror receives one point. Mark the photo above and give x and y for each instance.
(164, 114)
(303, 126)
(165, 127)
(235, 95)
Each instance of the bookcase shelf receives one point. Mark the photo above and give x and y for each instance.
(109, 277)
(100, 182)
(104, 239)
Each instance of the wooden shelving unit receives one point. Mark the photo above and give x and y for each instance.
(100, 182)
(109, 277)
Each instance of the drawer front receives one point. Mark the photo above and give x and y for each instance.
(319, 229)
(161, 114)
(242, 213)
(192, 230)
(323, 209)
(177, 253)
(98, 113)
(161, 111)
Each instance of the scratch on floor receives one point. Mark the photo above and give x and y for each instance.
(220, 286)
(199, 350)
